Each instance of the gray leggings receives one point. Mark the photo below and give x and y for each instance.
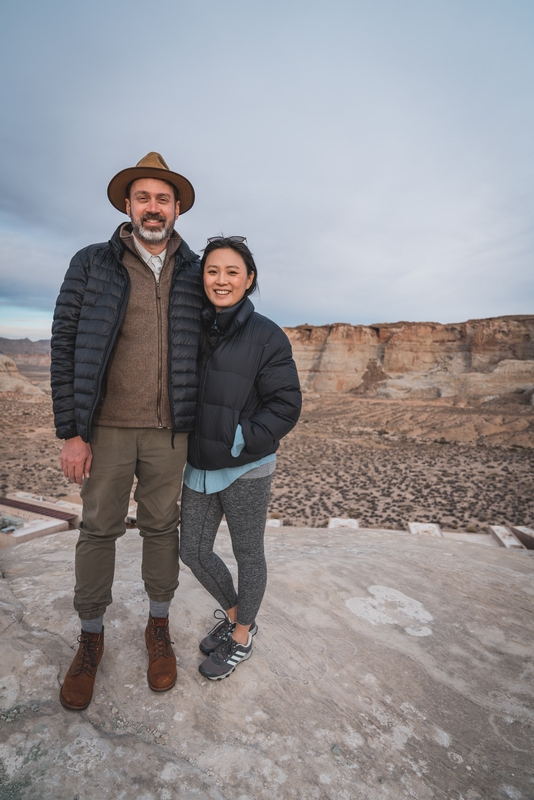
(244, 503)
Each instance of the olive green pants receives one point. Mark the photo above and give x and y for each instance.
(119, 454)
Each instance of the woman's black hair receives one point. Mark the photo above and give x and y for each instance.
(226, 242)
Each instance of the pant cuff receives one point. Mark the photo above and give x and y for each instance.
(161, 598)
(93, 614)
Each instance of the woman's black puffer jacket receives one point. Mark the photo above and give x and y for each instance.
(247, 377)
(89, 312)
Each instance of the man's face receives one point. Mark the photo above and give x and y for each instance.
(152, 209)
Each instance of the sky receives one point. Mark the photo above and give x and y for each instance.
(378, 156)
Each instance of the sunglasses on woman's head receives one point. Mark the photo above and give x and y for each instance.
(233, 239)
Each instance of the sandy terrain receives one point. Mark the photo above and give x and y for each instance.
(29, 450)
(387, 463)
(383, 462)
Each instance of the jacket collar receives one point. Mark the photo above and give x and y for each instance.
(117, 246)
(229, 319)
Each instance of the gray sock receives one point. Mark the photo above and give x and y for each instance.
(93, 625)
(159, 609)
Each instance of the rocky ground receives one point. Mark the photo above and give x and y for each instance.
(386, 667)
(384, 462)
(389, 462)
(29, 450)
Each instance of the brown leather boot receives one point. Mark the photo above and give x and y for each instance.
(161, 659)
(77, 689)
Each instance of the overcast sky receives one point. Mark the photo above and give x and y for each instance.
(377, 154)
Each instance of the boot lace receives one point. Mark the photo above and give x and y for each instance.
(87, 654)
(161, 641)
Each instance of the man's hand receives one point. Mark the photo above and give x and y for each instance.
(75, 460)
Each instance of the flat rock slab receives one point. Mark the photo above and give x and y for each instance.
(425, 529)
(505, 537)
(386, 666)
(524, 534)
(34, 530)
(339, 522)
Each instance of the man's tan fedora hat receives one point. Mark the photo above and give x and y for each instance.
(151, 166)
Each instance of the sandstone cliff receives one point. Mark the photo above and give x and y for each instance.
(32, 360)
(12, 381)
(417, 359)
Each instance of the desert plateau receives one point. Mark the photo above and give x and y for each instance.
(387, 666)
(401, 422)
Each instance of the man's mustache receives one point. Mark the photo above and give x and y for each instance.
(153, 217)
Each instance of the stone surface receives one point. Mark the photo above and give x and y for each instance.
(507, 377)
(476, 538)
(386, 666)
(479, 358)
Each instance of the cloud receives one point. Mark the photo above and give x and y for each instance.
(378, 157)
(18, 323)
(32, 266)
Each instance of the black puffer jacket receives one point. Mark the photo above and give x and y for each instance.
(88, 315)
(247, 377)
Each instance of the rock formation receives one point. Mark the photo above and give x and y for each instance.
(31, 358)
(419, 360)
(13, 347)
(12, 381)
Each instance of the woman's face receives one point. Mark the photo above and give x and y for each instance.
(225, 278)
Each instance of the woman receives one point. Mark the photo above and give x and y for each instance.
(249, 398)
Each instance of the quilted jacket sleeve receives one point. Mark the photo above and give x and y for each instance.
(278, 388)
(64, 331)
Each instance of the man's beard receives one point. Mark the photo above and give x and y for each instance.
(148, 234)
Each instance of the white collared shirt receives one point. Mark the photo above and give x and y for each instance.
(154, 262)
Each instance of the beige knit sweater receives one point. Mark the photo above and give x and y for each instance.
(136, 393)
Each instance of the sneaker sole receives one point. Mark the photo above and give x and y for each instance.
(208, 652)
(226, 674)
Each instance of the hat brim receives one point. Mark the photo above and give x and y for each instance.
(118, 185)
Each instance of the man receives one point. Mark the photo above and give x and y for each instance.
(124, 389)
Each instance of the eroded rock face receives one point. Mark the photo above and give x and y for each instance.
(12, 381)
(420, 359)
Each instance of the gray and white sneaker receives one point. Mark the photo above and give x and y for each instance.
(219, 633)
(225, 658)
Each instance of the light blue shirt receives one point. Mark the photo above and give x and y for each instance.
(209, 481)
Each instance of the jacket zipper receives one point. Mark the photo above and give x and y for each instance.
(160, 354)
(177, 266)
